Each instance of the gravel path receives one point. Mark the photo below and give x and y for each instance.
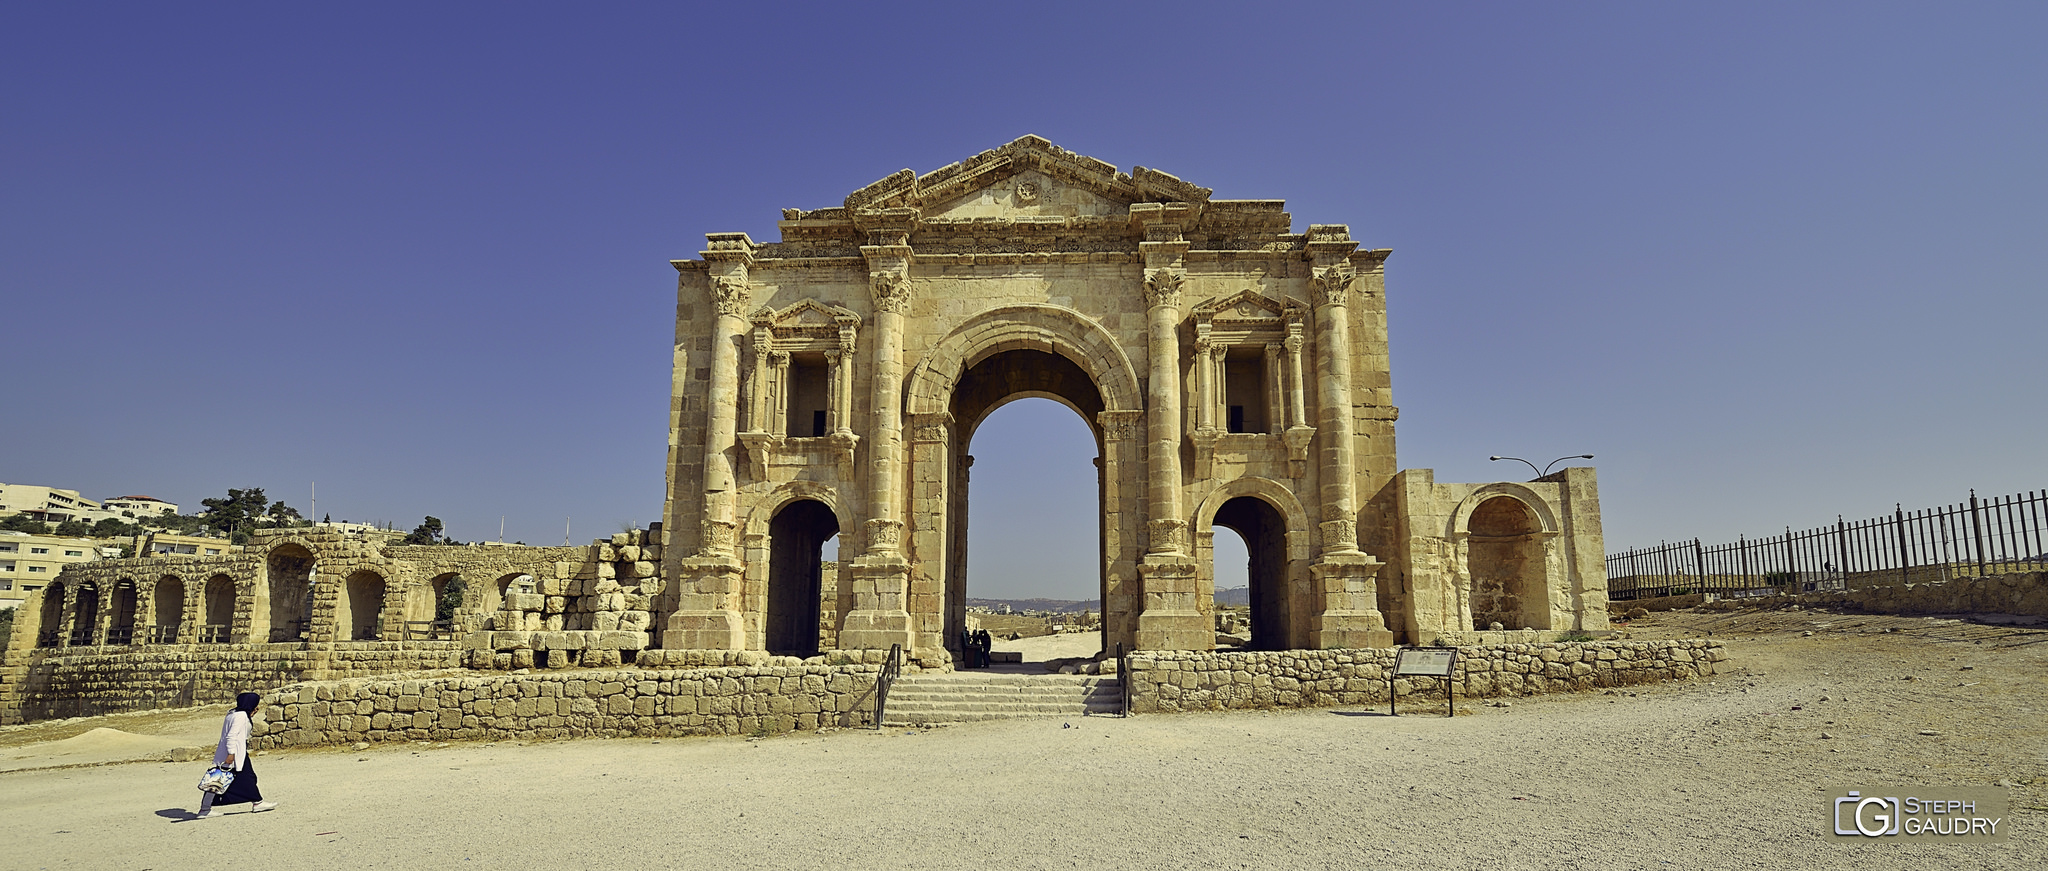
(1721, 774)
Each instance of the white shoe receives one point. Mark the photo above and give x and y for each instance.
(262, 806)
(208, 815)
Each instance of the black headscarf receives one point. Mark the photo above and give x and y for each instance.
(246, 703)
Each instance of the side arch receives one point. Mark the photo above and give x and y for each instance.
(1049, 328)
(1539, 507)
(1299, 538)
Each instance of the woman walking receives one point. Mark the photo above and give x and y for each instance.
(233, 755)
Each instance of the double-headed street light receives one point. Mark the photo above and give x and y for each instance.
(1546, 468)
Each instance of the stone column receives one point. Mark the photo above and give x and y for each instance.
(1346, 607)
(1172, 618)
(709, 586)
(1299, 432)
(880, 615)
(1276, 394)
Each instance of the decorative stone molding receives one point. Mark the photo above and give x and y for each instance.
(884, 534)
(891, 290)
(1333, 284)
(931, 427)
(1162, 287)
(718, 538)
(731, 295)
(1121, 425)
(1169, 535)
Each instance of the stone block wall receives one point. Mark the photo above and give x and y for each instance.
(579, 704)
(1169, 681)
(104, 680)
(2023, 593)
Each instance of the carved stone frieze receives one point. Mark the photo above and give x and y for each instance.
(731, 295)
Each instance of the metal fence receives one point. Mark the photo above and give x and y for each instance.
(1967, 539)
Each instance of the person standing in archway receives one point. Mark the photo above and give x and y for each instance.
(233, 755)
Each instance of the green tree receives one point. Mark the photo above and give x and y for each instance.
(24, 523)
(114, 527)
(74, 528)
(451, 599)
(236, 512)
(428, 532)
(281, 514)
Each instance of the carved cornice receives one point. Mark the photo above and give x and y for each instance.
(1163, 286)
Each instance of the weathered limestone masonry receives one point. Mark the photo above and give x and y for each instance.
(1168, 681)
(580, 704)
(2021, 593)
(313, 604)
(167, 676)
(1233, 372)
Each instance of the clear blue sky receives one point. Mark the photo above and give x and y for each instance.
(1769, 262)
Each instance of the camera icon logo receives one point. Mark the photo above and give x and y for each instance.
(1870, 816)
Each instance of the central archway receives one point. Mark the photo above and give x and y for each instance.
(993, 358)
(796, 548)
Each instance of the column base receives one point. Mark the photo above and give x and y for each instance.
(706, 589)
(879, 618)
(705, 630)
(1171, 619)
(1348, 616)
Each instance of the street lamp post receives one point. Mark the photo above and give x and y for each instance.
(1546, 468)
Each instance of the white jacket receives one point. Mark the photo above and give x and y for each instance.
(234, 739)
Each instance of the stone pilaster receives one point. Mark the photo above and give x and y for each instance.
(1172, 619)
(708, 604)
(880, 614)
(1346, 602)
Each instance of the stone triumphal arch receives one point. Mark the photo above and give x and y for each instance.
(1234, 373)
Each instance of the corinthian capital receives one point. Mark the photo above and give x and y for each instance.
(731, 295)
(1162, 286)
(892, 291)
(1334, 284)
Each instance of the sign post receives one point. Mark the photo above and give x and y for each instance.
(1425, 662)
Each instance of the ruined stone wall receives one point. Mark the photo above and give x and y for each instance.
(1169, 681)
(581, 704)
(89, 681)
(2023, 593)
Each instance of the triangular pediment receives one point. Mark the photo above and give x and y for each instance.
(806, 314)
(1245, 306)
(1027, 177)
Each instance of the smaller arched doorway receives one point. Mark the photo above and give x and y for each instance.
(49, 630)
(219, 614)
(168, 610)
(85, 615)
(429, 613)
(290, 570)
(1505, 560)
(122, 629)
(359, 610)
(1264, 532)
(796, 560)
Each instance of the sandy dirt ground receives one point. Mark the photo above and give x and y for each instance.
(1726, 773)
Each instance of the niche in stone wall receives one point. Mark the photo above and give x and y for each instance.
(1505, 558)
(798, 389)
(1248, 376)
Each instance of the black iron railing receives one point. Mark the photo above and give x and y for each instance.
(1123, 679)
(1968, 539)
(892, 668)
(163, 633)
(213, 633)
(47, 639)
(84, 637)
(121, 635)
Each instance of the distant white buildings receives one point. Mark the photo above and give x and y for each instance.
(56, 505)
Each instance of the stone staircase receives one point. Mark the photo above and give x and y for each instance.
(968, 696)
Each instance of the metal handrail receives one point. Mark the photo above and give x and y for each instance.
(1123, 679)
(891, 669)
